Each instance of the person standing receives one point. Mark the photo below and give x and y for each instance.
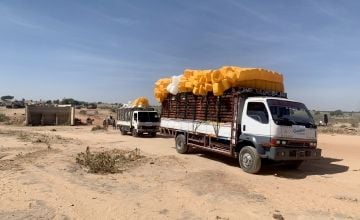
(326, 119)
(113, 123)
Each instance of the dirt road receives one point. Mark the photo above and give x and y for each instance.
(40, 179)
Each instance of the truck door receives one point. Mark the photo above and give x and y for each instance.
(135, 120)
(255, 121)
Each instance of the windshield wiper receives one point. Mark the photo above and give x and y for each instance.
(285, 121)
(308, 124)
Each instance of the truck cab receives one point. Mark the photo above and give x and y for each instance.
(279, 129)
(138, 121)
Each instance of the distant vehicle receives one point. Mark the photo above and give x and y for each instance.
(91, 106)
(15, 104)
(137, 121)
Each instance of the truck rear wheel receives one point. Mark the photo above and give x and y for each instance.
(180, 144)
(249, 159)
(122, 131)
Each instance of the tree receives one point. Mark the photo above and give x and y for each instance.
(69, 101)
(49, 102)
(7, 97)
(337, 113)
(57, 101)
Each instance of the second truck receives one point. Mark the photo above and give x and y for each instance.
(138, 121)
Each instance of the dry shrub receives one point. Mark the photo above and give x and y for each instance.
(98, 128)
(339, 130)
(82, 112)
(4, 118)
(354, 123)
(112, 161)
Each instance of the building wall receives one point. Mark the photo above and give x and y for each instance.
(50, 115)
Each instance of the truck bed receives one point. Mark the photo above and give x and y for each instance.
(220, 130)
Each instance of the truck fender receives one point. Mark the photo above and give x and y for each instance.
(180, 132)
(254, 140)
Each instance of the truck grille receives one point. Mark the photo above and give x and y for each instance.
(298, 144)
(148, 127)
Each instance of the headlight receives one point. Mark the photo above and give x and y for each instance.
(313, 144)
(283, 142)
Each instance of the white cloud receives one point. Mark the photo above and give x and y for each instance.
(15, 18)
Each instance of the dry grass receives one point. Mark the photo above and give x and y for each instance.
(98, 128)
(338, 130)
(4, 118)
(36, 138)
(354, 123)
(112, 161)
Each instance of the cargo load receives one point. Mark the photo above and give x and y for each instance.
(140, 102)
(201, 82)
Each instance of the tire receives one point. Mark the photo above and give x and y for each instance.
(180, 144)
(135, 133)
(249, 159)
(295, 164)
(153, 134)
(122, 131)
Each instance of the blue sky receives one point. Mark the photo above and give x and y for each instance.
(115, 50)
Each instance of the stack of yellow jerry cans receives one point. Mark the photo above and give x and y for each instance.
(140, 102)
(200, 82)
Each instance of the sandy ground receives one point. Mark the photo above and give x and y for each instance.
(40, 180)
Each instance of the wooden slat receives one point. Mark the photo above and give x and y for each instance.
(189, 106)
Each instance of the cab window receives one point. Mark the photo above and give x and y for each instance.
(258, 112)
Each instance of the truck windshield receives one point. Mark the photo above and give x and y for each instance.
(148, 117)
(290, 113)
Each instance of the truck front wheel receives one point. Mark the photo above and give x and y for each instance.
(249, 159)
(135, 133)
(180, 144)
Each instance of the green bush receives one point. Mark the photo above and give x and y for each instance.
(337, 113)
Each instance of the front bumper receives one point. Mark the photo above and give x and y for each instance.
(284, 153)
(148, 130)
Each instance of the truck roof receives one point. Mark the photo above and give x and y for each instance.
(262, 98)
(137, 108)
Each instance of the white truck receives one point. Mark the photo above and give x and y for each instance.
(247, 124)
(137, 121)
